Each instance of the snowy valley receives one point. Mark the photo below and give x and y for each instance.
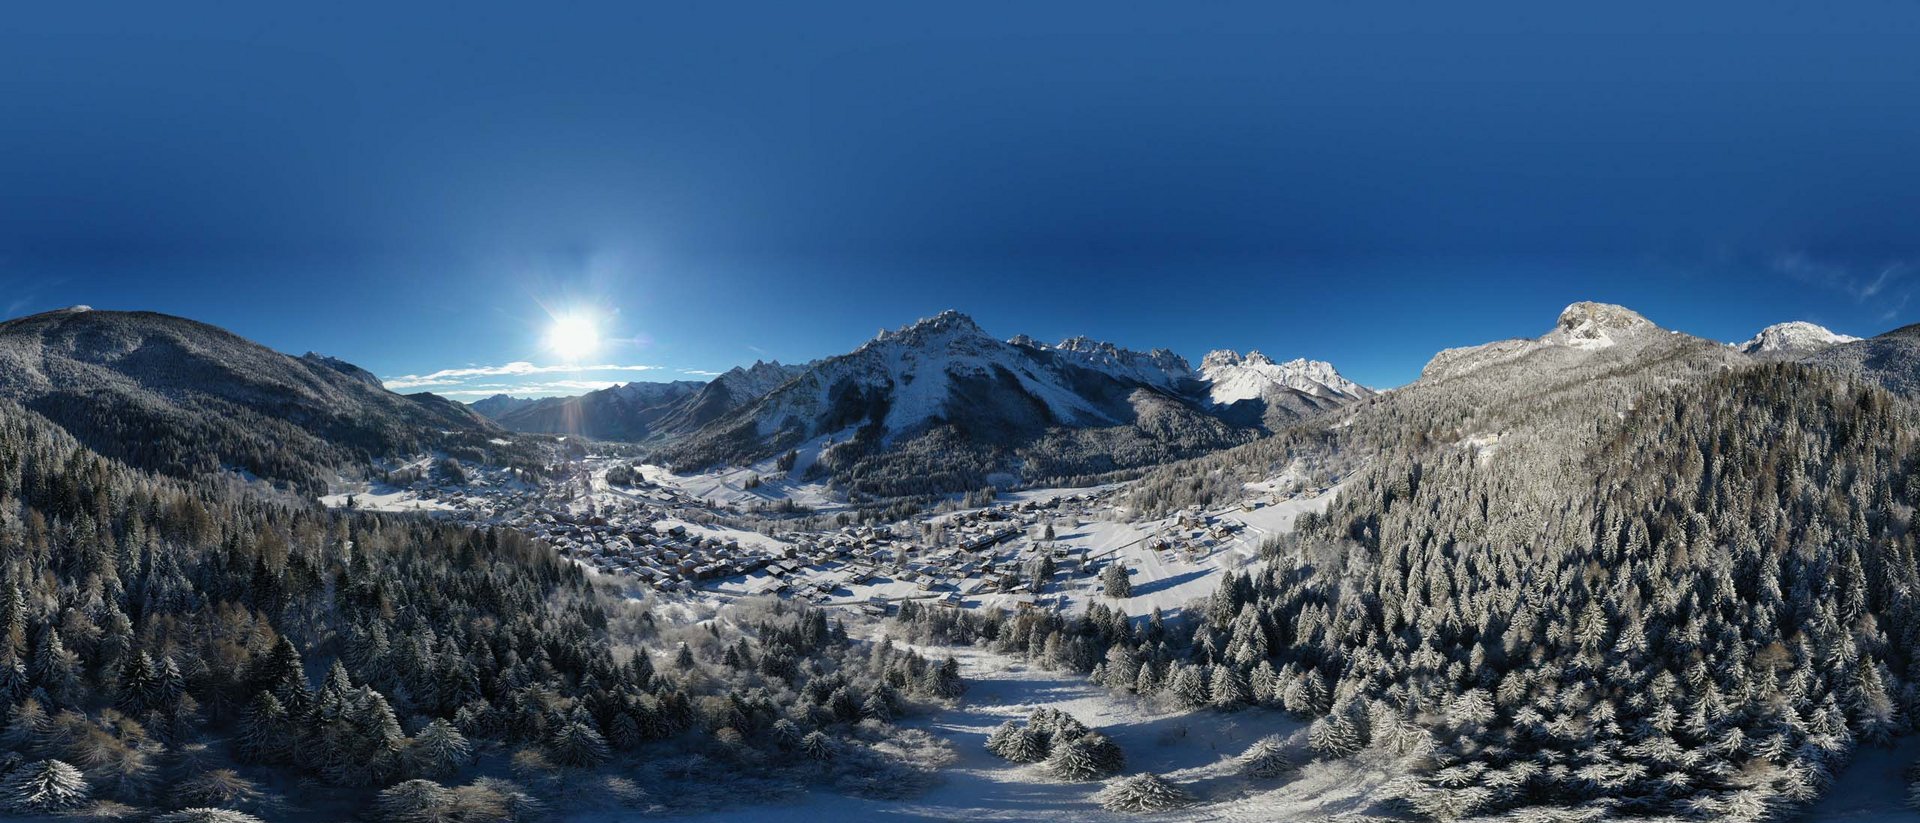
(1305, 618)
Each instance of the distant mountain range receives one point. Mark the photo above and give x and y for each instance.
(623, 412)
(1022, 409)
(638, 411)
(1077, 383)
(1016, 408)
(936, 404)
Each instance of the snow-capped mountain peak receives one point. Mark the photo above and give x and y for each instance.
(1587, 325)
(1233, 377)
(758, 379)
(947, 325)
(1797, 336)
(1159, 367)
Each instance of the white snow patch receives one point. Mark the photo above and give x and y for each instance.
(1193, 749)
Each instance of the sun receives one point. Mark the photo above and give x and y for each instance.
(573, 337)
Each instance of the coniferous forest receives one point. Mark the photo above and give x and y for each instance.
(1705, 618)
(176, 651)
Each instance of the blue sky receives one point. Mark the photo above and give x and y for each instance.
(419, 188)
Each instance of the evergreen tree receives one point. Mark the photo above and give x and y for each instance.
(45, 787)
(786, 734)
(1116, 580)
(1334, 737)
(579, 745)
(1001, 734)
(416, 801)
(1143, 793)
(266, 732)
(817, 746)
(1229, 692)
(439, 749)
(1089, 756)
(1265, 759)
(1025, 746)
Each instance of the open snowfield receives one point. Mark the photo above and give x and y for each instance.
(728, 487)
(379, 498)
(1195, 750)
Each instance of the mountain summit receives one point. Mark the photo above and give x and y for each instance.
(1583, 330)
(1232, 378)
(1160, 367)
(1587, 325)
(941, 404)
(1793, 338)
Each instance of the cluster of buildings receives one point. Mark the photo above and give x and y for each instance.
(1195, 533)
(644, 532)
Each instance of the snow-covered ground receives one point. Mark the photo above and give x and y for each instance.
(1872, 789)
(730, 486)
(381, 498)
(1193, 749)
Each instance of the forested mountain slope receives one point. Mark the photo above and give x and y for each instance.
(732, 389)
(1705, 627)
(187, 399)
(159, 643)
(1891, 359)
(1535, 400)
(1677, 586)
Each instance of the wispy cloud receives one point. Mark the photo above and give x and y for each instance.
(701, 372)
(518, 368)
(543, 389)
(1887, 285)
(1860, 283)
(25, 291)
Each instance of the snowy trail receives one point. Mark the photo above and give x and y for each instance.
(1194, 749)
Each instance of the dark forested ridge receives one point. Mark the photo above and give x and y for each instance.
(187, 399)
(627, 412)
(169, 645)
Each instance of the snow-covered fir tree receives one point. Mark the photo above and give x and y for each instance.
(44, 787)
(1143, 793)
(1265, 759)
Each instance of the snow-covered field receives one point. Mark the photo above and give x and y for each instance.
(730, 486)
(385, 499)
(1193, 749)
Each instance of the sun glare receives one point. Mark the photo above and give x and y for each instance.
(573, 337)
